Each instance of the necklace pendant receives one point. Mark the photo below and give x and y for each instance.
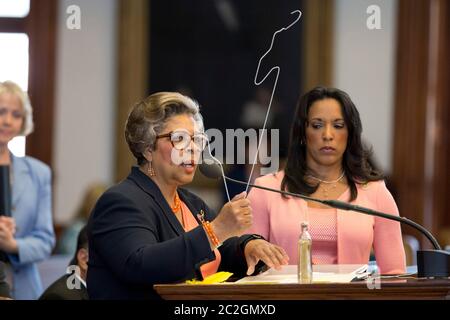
(328, 182)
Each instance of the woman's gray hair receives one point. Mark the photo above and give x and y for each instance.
(14, 89)
(149, 116)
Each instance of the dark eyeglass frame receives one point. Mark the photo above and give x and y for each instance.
(191, 136)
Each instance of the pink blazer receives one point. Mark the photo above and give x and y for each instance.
(278, 220)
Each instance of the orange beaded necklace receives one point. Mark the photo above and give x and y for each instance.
(177, 203)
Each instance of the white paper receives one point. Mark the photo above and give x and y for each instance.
(343, 273)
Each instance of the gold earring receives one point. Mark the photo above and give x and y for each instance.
(150, 170)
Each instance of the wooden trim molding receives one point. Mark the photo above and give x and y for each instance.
(133, 72)
(421, 112)
(439, 133)
(41, 29)
(13, 25)
(318, 34)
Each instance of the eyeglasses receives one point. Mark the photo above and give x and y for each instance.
(181, 139)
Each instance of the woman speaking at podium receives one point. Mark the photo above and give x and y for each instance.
(327, 160)
(148, 230)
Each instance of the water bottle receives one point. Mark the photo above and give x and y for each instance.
(305, 273)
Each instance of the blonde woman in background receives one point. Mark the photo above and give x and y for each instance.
(27, 236)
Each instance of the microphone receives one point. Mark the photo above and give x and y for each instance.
(5, 191)
(430, 263)
(5, 199)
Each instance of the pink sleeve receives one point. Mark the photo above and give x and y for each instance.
(388, 243)
(258, 203)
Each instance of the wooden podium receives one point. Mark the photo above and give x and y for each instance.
(389, 289)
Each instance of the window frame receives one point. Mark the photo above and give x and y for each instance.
(40, 26)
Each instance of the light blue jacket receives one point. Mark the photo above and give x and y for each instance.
(32, 211)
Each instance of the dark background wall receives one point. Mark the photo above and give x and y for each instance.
(215, 61)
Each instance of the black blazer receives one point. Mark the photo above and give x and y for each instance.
(136, 241)
(58, 290)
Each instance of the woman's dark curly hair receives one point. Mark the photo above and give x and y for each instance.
(355, 162)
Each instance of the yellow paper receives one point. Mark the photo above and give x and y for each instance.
(217, 277)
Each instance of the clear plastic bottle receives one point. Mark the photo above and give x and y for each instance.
(305, 273)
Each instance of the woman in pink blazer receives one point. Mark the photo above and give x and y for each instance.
(326, 160)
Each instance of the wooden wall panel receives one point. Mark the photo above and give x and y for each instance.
(41, 28)
(318, 18)
(421, 110)
(132, 81)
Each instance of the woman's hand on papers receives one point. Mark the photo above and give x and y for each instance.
(272, 255)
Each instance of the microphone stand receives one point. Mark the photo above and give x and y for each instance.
(430, 263)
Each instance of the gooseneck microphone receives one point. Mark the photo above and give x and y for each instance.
(430, 263)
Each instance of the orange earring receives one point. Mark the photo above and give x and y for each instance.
(150, 170)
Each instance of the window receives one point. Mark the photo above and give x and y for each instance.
(14, 8)
(14, 65)
(14, 58)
